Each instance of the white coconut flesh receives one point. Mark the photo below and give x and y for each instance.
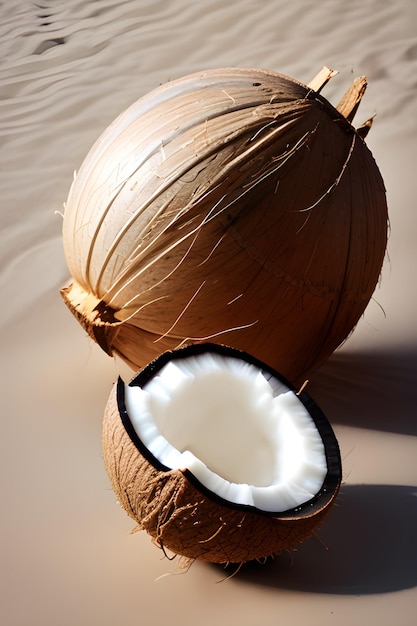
(241, 432)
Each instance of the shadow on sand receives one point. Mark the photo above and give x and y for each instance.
(368, 545)
(376, 390)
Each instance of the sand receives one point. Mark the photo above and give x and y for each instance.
(67, 69)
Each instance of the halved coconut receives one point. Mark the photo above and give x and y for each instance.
(214, 454)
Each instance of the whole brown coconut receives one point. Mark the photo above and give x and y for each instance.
(181, 513)
(234, 205)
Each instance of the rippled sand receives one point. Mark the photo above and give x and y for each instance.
(67, 68)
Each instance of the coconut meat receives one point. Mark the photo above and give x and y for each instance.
(239, 430)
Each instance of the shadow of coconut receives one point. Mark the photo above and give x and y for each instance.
(375, 390)
(368, 545)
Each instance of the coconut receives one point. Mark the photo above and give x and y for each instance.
(231, 205)
(216, 456)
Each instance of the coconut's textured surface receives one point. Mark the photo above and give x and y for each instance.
(233, 205)
(181, 518)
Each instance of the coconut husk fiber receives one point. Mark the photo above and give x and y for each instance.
(257, 218)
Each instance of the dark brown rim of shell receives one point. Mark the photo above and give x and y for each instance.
(332, 480)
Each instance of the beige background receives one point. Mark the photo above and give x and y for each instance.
(67, 68)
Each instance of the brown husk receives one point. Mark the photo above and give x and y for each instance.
(183, 520)
(272, 242)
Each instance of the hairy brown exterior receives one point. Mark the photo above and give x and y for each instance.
(259, 220)
(183, 520)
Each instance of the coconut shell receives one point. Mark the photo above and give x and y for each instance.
(232, 205)
(183, 519)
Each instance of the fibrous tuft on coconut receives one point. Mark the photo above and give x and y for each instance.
(231, 205)
(214, 454)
